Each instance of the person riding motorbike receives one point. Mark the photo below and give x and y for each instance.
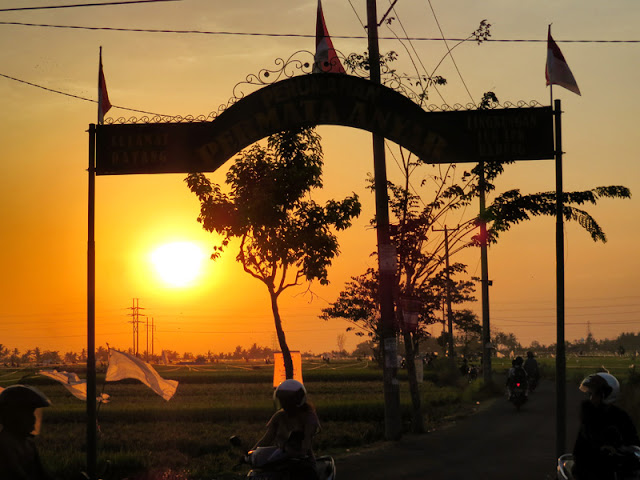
(532, 369)
(19, 458)
(606, 431)
(517, 376)
(292, 429)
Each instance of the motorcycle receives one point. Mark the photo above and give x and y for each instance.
(518, 394)
(273, 463)
(625, 460)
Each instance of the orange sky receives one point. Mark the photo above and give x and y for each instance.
(44, 158)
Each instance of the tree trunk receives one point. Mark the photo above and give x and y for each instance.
(417, 423)
(286, 354)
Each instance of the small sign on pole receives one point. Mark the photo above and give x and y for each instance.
(279, 374)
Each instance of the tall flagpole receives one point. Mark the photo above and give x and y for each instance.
(561, 386)
(561, 362)
(91, 314)
(92, 414)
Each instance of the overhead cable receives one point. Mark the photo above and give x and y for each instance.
(300, 35)
(105, 4)
(79, 97)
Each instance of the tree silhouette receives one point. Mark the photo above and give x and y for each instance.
(285, 237)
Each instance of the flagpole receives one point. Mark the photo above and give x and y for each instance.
(92, 413)
(560, 306)
(91, 312)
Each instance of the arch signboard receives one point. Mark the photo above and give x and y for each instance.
(326, 99)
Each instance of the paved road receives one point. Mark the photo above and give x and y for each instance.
(496, 443)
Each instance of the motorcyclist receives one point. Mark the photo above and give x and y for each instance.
(292, 429)
(19, 459)
(516, 375)
(606, 430)
(532, 369)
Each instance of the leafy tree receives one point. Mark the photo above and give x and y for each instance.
(70, 358)
(505, 342)
(102, 354)
(27, 356)
(49, 356)
(285, 237)
(364, 349)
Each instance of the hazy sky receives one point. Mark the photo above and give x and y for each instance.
(44, 145)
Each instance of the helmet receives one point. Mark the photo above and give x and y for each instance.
(291, 392)
(530, 354)
(23, 396)
(518, 361)
(603, 383)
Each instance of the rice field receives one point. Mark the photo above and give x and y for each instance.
(141, 436)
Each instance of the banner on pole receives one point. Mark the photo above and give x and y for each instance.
(279, 374)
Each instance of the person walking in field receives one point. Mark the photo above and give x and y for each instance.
(19, 459)
(292, 429)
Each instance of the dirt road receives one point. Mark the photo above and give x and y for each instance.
(496, 443)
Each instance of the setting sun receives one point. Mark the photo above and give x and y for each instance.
(179, 263)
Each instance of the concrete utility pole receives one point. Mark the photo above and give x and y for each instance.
(386, 254)
(484, 266)
(448, 290)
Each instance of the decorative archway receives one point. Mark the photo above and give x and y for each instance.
(523, 133)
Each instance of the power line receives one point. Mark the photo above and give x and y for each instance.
(106, 4)
(302, 35)
(79, 97)
(450, 54)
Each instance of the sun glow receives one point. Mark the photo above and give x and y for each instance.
(178, 264)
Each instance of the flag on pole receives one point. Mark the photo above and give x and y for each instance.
(122, 365)
(103, 97)
(325, 59)
(557, 71)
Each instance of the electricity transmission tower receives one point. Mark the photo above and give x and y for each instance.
(135, 321)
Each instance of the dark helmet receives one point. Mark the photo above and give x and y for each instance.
(604, 384)
(23, 396)
(518, 361)
(530, 355)
(291, 392)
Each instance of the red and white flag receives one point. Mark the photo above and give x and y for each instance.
(326, 60)
(557, 71)
(103, 97)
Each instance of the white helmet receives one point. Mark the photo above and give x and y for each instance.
(291, 392)
(603, 383)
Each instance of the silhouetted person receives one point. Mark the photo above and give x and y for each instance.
(605, 430)
(532, 369)
(19, 459)
(292, 428)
